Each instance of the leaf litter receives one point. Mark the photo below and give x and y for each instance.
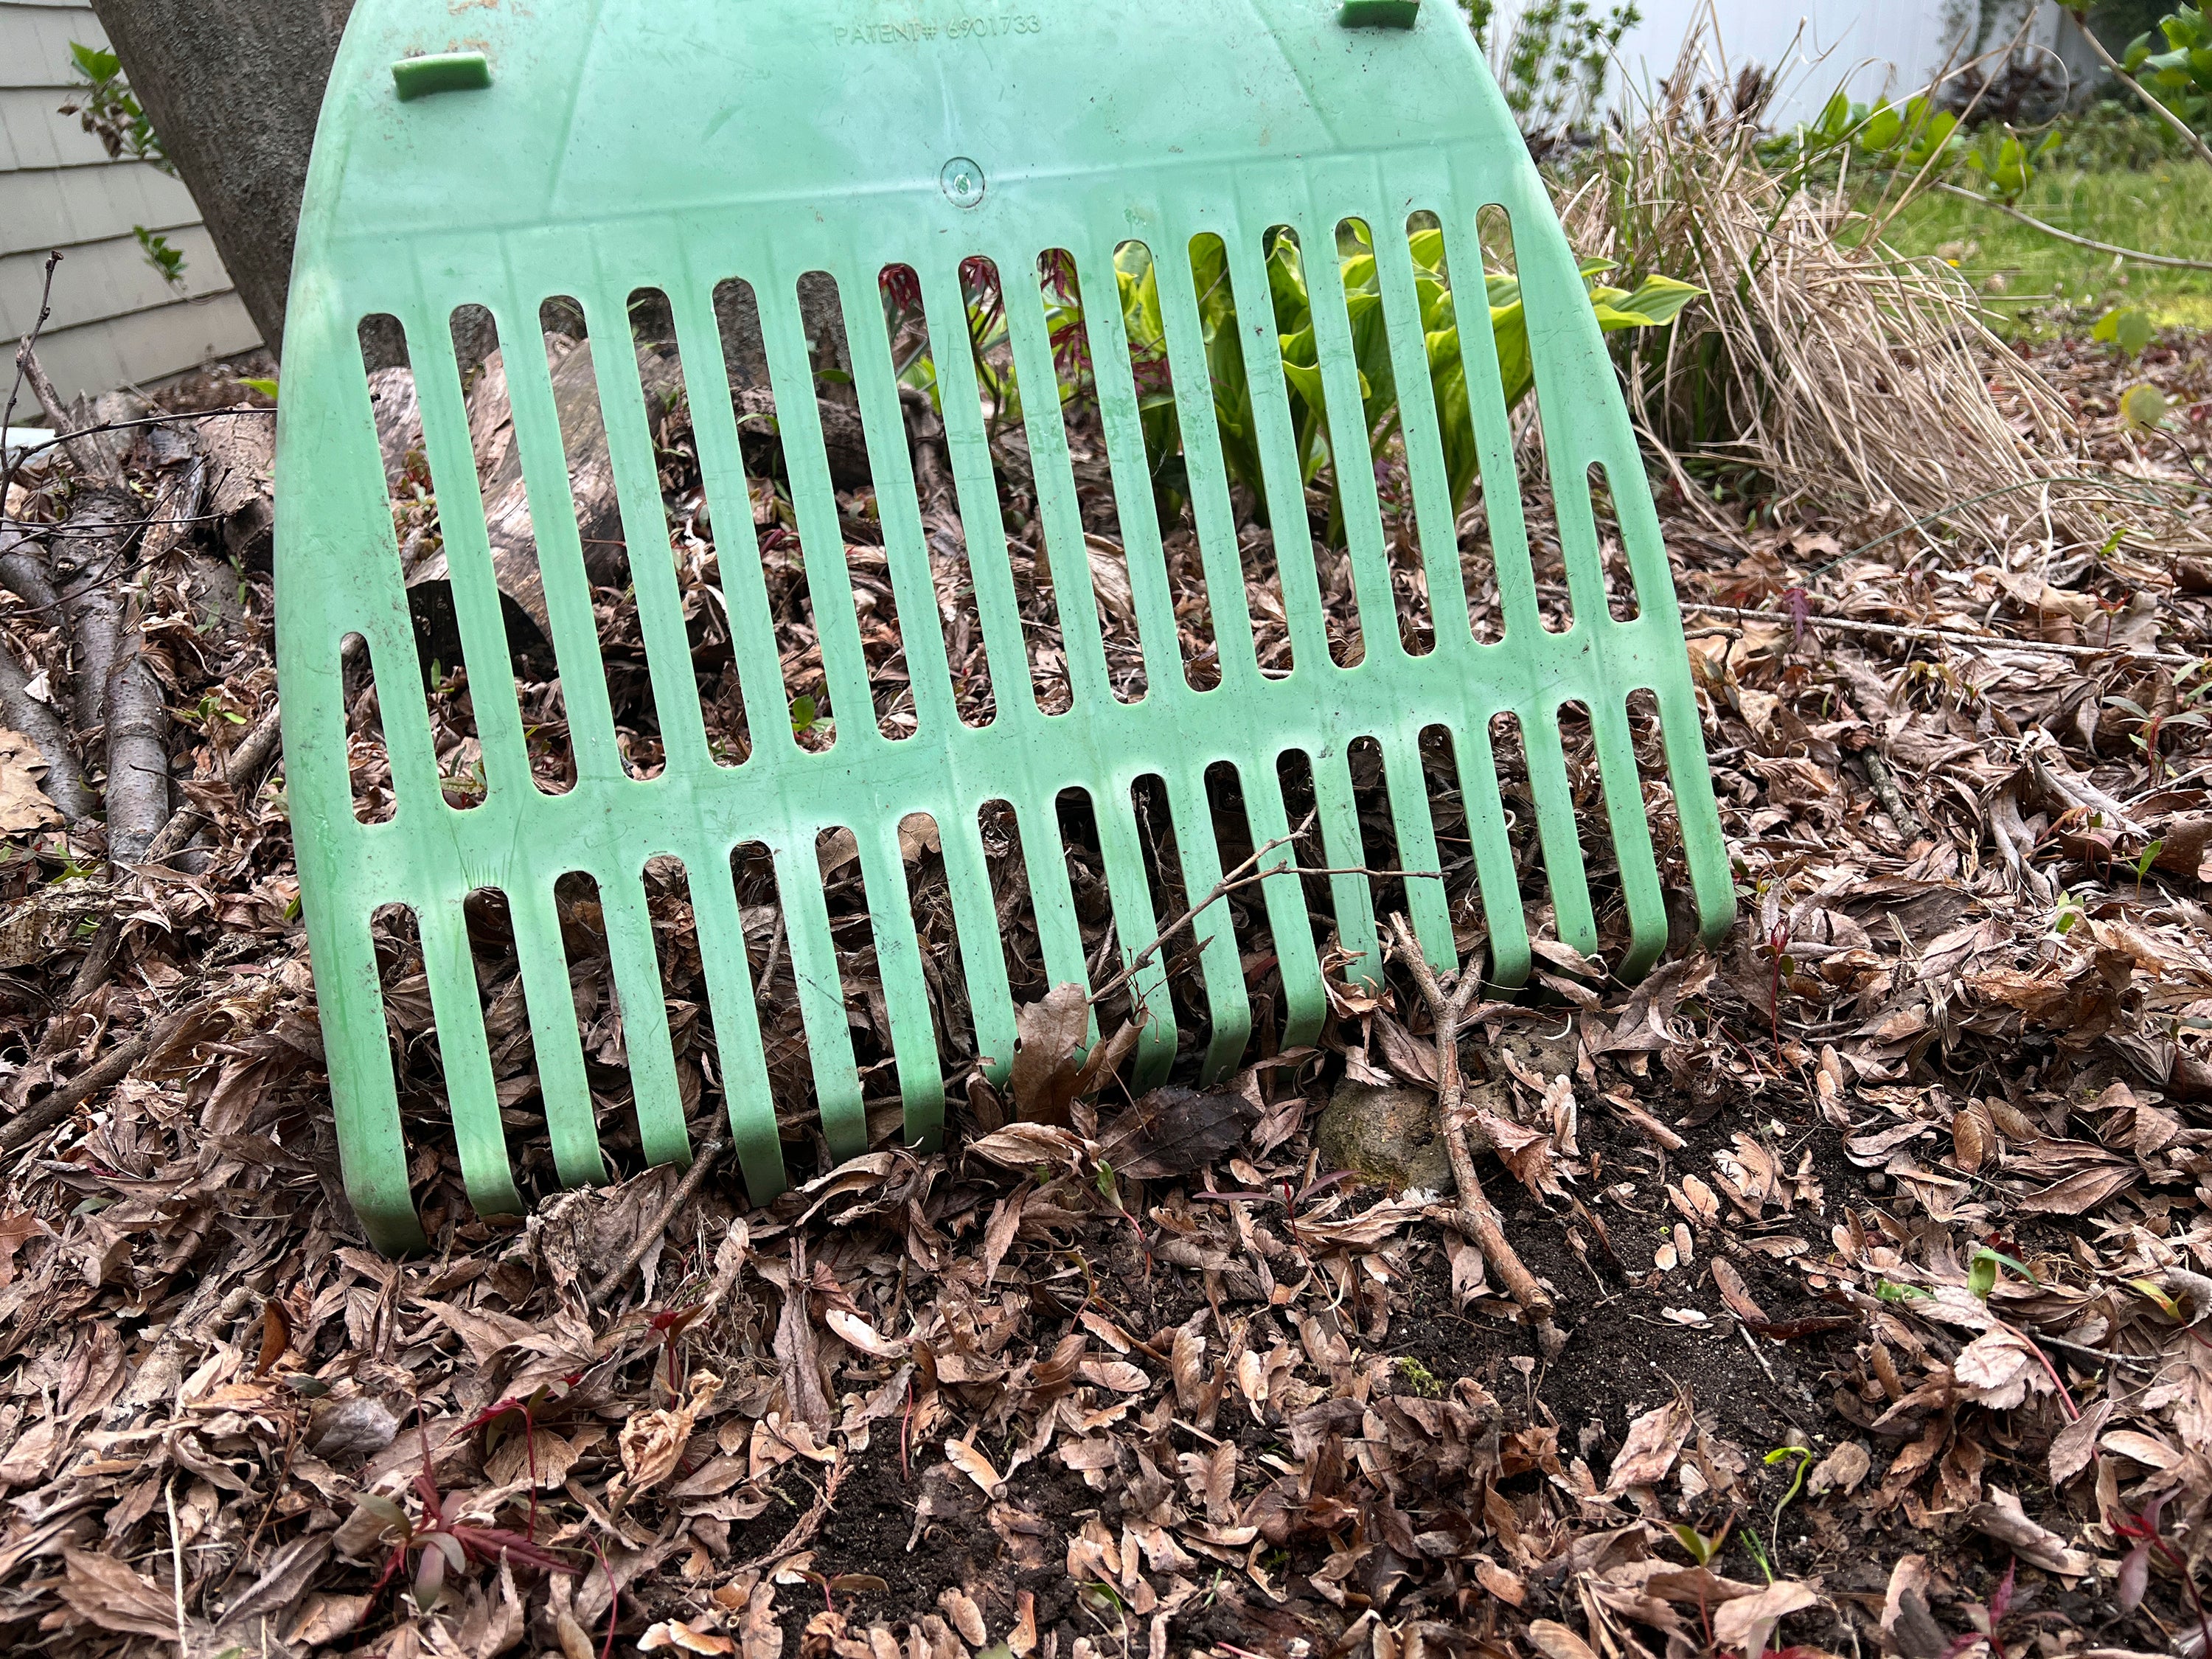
(1876, 1242)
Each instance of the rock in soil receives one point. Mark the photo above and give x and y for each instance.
(1386, 1136)
(1547, 1056)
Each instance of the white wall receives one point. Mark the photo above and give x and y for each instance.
(115, 321)
(1875, 46)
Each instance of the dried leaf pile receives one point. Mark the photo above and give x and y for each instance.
(1878, 1242)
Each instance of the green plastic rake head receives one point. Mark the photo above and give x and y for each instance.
(497, 155)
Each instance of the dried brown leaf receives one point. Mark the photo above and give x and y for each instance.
(108, 1593)
(1171, 1131)
(1653, 1441)
(1048, 1033)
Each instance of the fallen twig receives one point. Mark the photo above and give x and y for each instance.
(1476, 1216)
(2135, 254)
(1886, 791)
(649, 1235)
(805, 1527)
(59, 1102)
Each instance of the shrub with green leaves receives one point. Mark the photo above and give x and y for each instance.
(1550, 66)
(2174, 62)
(1653, 302)
(109, 109)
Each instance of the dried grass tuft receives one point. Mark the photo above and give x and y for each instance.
(1857, 382)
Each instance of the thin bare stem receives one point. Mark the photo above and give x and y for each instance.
(1476, 1216)
(2157, 108)
(2089, 242)
(15, 390)
(649, 1235)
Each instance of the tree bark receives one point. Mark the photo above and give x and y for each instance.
(234, 87)
(112, 687)
(64, 781)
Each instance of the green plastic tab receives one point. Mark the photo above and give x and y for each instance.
(443, 72)
(673, 145)
(1379, 13)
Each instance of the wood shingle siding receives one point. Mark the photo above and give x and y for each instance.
(115, 321)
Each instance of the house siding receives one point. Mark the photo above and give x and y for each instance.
(114, 321)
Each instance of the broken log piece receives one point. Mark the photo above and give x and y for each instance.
(23, 573)
(506, 497)
(20, 711)
(138, 750)
(88, 560)
(240, 452)
(844, 440)
(89, 570)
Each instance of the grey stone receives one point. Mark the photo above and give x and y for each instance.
(1542, 1052)
(1388, 1137)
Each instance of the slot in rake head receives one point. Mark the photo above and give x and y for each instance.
(596, 151)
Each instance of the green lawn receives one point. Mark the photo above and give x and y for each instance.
(2036, 282)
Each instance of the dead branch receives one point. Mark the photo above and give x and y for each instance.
(2135, 255)
(1240, 876)
(15, 388)
(59, 1102)
(85, 452)
(1949, 635)
(648, 1235)
(1476, 1216)
(21, 712)
(22, 573)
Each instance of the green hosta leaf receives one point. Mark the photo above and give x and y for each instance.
(2143, 407)
(1509, 325)
(1655, 301)
(2125, 326)
(1304, 379)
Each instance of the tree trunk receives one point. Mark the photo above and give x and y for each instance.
(233, 87)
